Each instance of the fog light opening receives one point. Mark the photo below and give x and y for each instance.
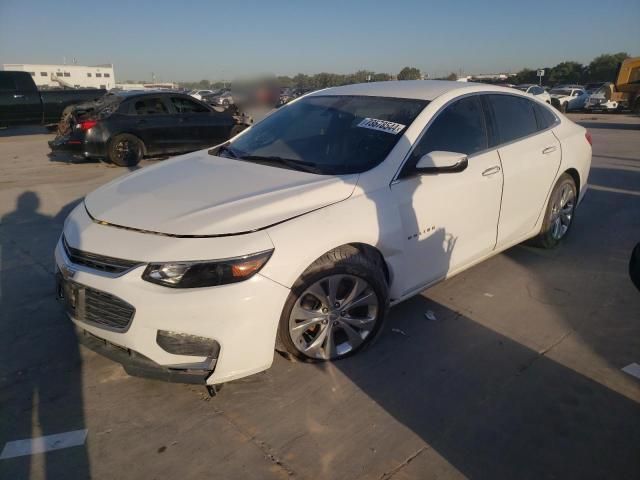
(185, 344)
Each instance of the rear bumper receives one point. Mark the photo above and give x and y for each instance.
(66, 144)
(87, 146)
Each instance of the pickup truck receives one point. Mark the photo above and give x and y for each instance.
(21, 103)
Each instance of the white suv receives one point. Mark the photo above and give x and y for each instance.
(299, 233)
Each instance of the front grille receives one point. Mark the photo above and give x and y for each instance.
(105, 309)
(98, 262)
(94, 306)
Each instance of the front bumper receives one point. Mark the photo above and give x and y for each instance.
(242, 317)
(138, 365)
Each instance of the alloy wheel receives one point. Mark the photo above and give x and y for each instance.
(333, 316)
(562, 211)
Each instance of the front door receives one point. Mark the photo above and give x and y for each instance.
(449, 219)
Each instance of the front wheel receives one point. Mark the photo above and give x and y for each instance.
(336, 308)
(560, 212)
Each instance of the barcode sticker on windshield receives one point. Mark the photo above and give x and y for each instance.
(381, 125)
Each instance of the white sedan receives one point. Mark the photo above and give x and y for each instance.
(300, 233)
(568, 98)
(536, 91)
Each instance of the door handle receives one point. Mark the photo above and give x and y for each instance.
(549, 150)
(18, 96)
(491, 171)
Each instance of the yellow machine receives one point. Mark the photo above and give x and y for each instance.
(625, 92)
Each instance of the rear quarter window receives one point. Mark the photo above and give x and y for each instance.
(544, 117)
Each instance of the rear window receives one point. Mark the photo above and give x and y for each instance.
(334, 133)
(514, 117)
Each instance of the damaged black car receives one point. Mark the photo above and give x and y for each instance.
(124, 127)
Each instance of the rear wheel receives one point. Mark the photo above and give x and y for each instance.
(125, 150)
(336, 308)
(559, 214)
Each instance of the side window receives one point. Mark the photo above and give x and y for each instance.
(184, 105)
(149, 106)
(458, 128)
(24, 83)
(514, 117)
(6, 83)
(544, 117)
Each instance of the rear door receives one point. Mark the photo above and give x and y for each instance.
(201, 126)
(530, 156)
(150, 119)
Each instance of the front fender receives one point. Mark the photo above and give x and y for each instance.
(370, 219)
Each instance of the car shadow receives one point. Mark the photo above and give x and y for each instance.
(40, 365)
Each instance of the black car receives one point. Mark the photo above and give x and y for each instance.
(126, 126)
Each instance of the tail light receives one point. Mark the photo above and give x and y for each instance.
(587, 135)
(87, 124)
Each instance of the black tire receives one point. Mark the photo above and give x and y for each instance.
(126, 150)
(548, 236)
(346, 260)
(634, 266)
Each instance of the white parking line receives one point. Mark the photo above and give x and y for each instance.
(632, 369)
(29, 446)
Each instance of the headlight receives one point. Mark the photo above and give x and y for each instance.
(207, 273)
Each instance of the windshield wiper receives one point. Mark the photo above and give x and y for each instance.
(223, 149)
(294, 164)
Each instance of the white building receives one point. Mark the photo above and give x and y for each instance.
(78, 76)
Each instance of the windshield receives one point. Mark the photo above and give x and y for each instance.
(328, 134)
(560, 91)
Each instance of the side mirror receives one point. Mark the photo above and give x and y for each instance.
(442, 162)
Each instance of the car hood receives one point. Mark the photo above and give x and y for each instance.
(202, 195)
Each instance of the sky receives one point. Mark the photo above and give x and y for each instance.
(215, 40)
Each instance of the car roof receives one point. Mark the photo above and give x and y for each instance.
(146, 93)
(414, 89)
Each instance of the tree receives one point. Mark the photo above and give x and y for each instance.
(452, 76)
(603, 68)
(567, 72)
(409, 73)
(526, 75)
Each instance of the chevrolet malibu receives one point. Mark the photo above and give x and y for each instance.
(299, 234)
